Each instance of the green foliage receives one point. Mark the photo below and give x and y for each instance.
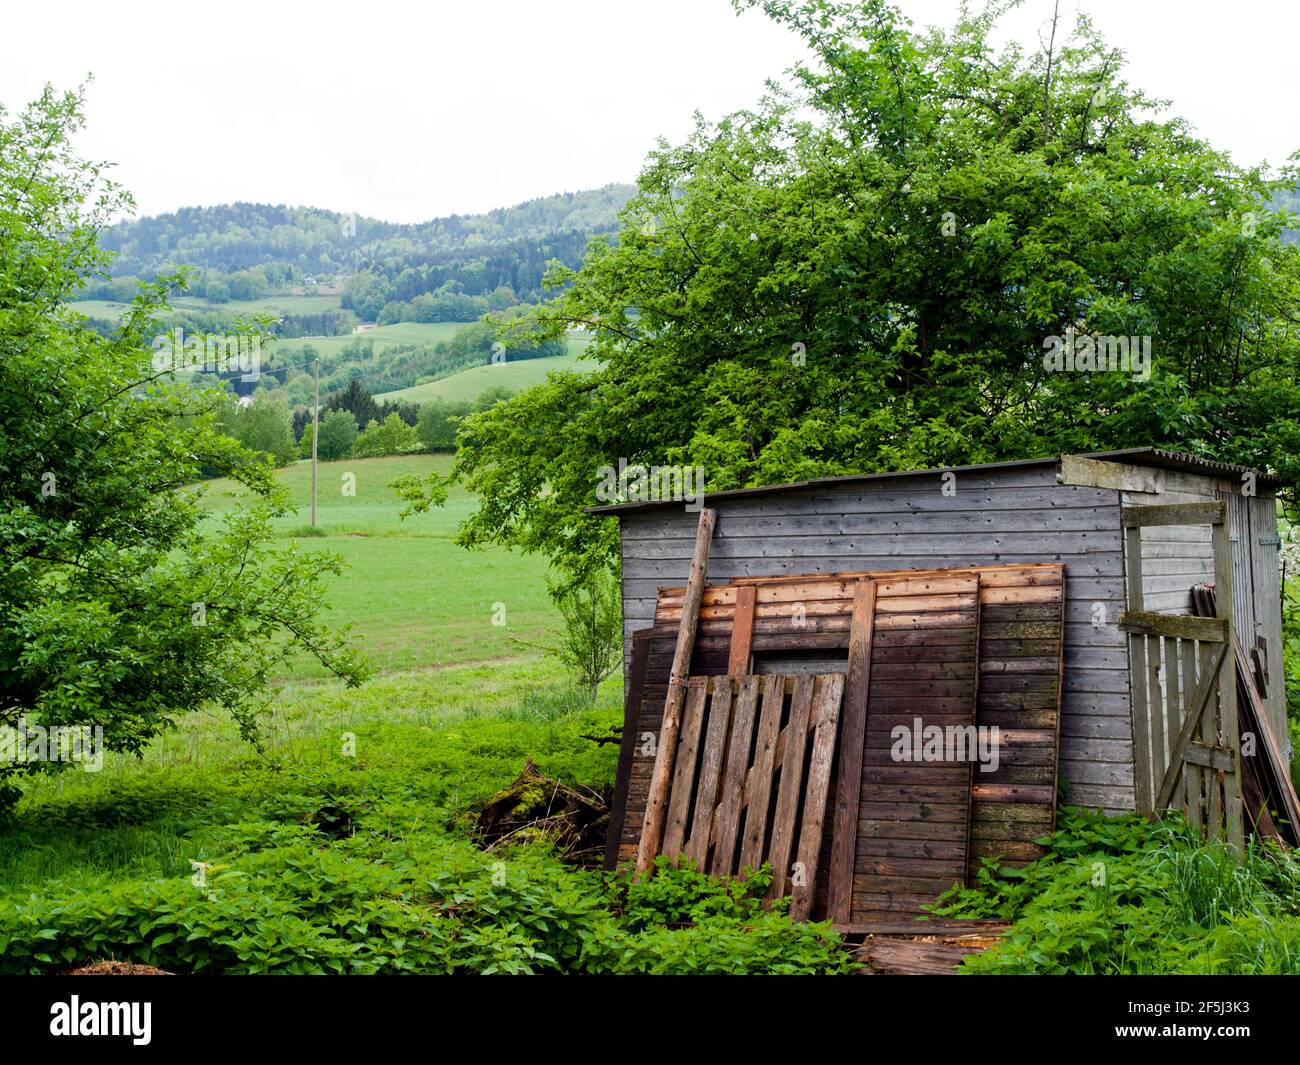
(437, 425)
(264, 426)
(392, 436)
(280, 890)
(120, 605)
(338, 432)
(592, 645)
(861, 273)
(1124, 895)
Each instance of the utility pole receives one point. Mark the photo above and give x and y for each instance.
(315, 436)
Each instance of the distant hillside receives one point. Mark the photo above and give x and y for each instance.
(246, 251)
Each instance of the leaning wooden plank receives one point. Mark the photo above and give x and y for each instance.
(1274, 775)
(910, 787)
(688, 748)
(636, 672)
(742, 633)
(826, 711)
(653, 822)
(853, 732)
(792, 785)
(727, 821)
(769, 726)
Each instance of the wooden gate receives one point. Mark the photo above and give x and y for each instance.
(1185, 732)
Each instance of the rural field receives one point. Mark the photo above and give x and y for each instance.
(276, 305)
(514, 375)
(412, 597)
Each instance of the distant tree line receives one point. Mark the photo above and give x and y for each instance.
(353, 424)
(248, 251)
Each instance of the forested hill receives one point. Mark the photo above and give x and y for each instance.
(295, 245)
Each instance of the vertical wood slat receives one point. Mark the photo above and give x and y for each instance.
(636, 672)
(742, 631)
(1175, 711)
(697, 847)
(688, 747)
(827, 712)
(728, 817)
(1143, 774)
(760, 777)
(1210, 736)
(1155, 710)
(853, 730)
(1224, 599)
(791, 786)
(1191, 772)
(653, 823)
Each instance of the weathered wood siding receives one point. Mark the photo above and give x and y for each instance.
(1015, 515)
(1267, 584)
(1175, 557)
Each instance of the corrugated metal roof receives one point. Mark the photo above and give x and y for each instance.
(1137, 456)
(1182, 461)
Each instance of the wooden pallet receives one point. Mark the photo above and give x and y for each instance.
(751, 776)
(1018, 647)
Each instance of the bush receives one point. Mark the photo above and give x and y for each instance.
(1121, 895)
(392, 436)
(338, 432)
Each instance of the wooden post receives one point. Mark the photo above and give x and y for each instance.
(1228, 689)
(652, 826)
(1137, 667)
(315, 436)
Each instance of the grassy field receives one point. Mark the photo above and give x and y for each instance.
(414, 599)
(343, 844)
(470, 384)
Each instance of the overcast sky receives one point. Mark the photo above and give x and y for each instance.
(407, 111)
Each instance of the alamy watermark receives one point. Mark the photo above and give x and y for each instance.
(920, 742)
(1092, 353)
(82, 744)
(175, 352)
(651, 484)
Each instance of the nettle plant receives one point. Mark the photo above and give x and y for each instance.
(121, 606)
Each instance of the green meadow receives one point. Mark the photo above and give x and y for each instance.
(414, 599)
(469, 384)
(277, 305)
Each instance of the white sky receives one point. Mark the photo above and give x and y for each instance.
(409, 111)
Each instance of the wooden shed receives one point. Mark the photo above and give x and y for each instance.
(1117, 541)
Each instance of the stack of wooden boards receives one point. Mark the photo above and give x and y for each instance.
(1269, 798)
(916, 651)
